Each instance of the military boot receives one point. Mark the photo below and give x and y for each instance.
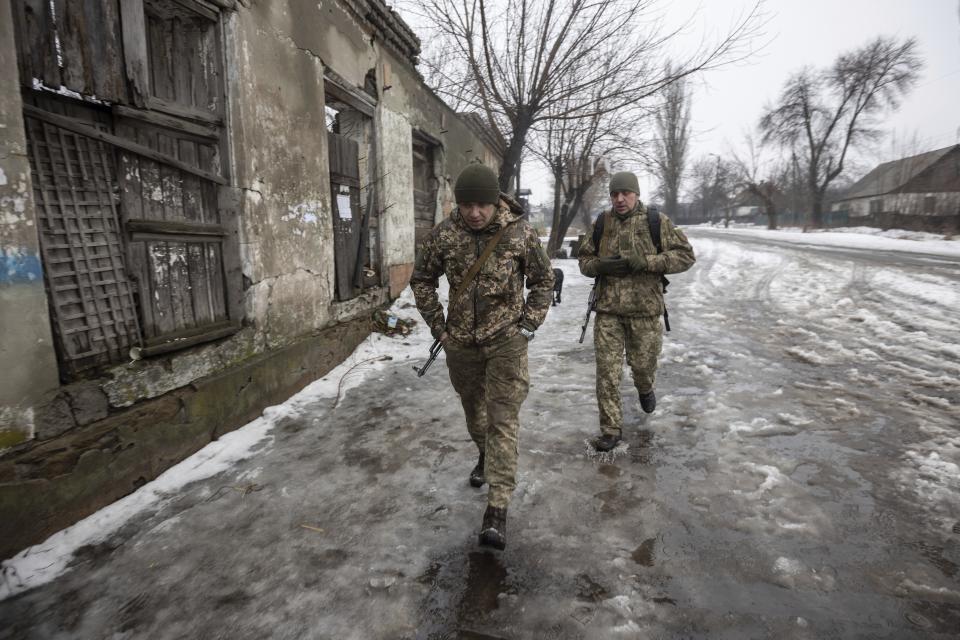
(493, 532)
(477, 478)
(648, 401)
(606, 442)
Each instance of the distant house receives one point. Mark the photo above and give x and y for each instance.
(747, 206)
(920, 192)
(744, 207)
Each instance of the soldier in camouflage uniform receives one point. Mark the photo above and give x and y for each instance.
(629, 299)
(485, 333)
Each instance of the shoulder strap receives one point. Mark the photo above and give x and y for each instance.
(475, 267)
(653, 220)
(598, 232)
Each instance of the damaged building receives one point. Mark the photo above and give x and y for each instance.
(201, 204)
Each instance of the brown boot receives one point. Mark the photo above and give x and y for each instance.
(493, 532)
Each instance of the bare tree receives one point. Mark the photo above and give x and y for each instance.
(519, 62)
(823, 114)
(758, 174)
(596, 199)
(579, 153)
(712, 180)
(672, 120)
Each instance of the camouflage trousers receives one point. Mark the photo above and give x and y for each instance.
(493, 381)
(641, 338)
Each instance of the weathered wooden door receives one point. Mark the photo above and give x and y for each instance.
(347, 212)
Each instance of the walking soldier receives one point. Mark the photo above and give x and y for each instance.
(630, 263)
(488, 323)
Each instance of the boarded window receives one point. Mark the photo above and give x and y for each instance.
(138, 250)
(183, 56)
(424, 189)
(930, 204)
(176, 233)
(92, 308)
(71, 43)
(876, 205)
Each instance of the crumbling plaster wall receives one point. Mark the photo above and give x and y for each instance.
(279, 167)
(280, 163)
(277, 53)
(26, 347)
(428, 113)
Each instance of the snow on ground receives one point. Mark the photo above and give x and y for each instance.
(849, 237)
(806, 396)
(44, 562)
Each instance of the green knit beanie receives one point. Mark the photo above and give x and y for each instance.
(624, 181)
(477, 183)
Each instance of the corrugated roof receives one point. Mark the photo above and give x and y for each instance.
(893, 175)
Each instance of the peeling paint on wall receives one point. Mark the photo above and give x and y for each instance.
(304, 213)
(396, 143)
(19, 265)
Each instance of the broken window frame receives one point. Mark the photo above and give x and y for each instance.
(215, 241)
(425, 152)
(357, 259)
(178, 122)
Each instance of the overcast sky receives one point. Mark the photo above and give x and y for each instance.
(813, 32)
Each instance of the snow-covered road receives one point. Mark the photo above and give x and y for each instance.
(799, 479)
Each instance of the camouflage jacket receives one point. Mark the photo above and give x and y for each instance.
(637, 294)
(493, 304)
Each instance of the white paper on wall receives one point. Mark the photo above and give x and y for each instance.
(343, 207)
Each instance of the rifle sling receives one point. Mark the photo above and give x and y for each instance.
(475, 267)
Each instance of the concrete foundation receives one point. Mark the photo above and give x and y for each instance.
(52, 485)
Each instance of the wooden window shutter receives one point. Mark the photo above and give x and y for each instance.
(92, 308)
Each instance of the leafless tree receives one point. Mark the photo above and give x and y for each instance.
(522, 62)
(712, 181)
(579, 154)
(595, 200)
(760, 175)
(823, 114)
(672, 119)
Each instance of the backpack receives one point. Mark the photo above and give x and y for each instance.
(653, 221)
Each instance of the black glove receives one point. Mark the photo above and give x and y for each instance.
(615, 266)
(638, 262)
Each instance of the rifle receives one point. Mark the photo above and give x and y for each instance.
(435, 350)
(591, 306)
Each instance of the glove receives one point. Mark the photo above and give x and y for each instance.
(617, 266)
(637, 261)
